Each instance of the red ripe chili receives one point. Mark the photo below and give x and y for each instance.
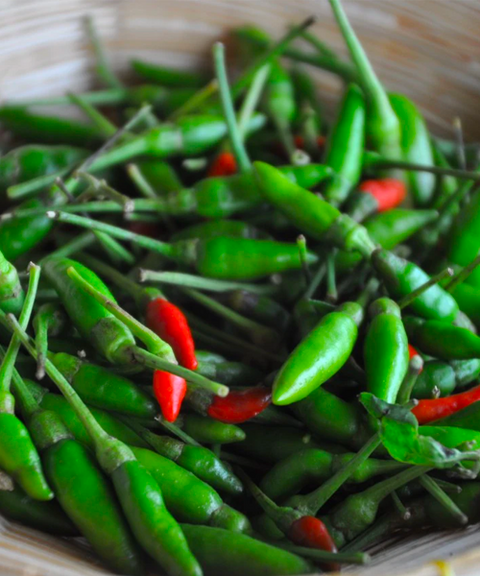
(169, 391)
(169, 322)
(388, 192)
(223, 165)
(311, 532)
(240, 405)
(428, 410)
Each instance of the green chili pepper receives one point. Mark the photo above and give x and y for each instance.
(158, 177)
(50, 129)
(463, 242)
(223, 552)
(230, 373)
(467, 297)
(447, 185)
(31, 161)
(138, 492)
(206, 430)
(309, 107)
(402, 277)
(416, 147)
(436, 379)
(103, 389)
(312, 465)
(188, 498)
(196, 459)
(386, 350)
(168, 77)
(80, 487)
(310, 214)
(333, 419)
(442, 340)
(319, 356)
(45, 516)
(345, 146)
(11, 291)
(382, 124)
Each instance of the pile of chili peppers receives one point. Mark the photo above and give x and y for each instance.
(237, 335)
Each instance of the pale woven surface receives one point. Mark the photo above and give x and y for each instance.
(428, 49)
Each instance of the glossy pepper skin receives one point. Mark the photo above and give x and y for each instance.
(442, 340)
(416, 147)
(223, 552)
(319, 356)
(169, 390)
(385, 350)
(106, 334)
(429, 410)
(310, 214)
(11, 291)
(187, 497)
(103, 389)
(467, 297)
(206, 430)
(345, 146)
(436, 378)
(240, 258)
(402, 277)
(463, 242)
(27, 162)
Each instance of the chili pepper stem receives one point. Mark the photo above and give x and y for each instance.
(103, 68)
(332, 293)
(376, 532)
(313, 502)
(462, 275)
(316, 281)
(252, 98)
(236, 139)
(415, 366)
(8, 364)
(409, 298)
(146, 358)
(99, 120)
(115, 231)
(442, 498)
(176, 431)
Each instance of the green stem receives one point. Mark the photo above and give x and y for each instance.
(313, 502)
(332, 293)
(323, 556)
(320, 46)
(104, 70)
(448, 487)
(142, 184)
(209, 284)
(235, 318)
(302, 249)
(151, 340)
(147, 205)
(409, 298)
(399, 505)
(415, 366)
(236, 140)
(8, 364)
(252, 98)
(110, 96)
(100, 187)
(94, 429)
(367, 293)
(316, 281)
(462, 275)
(144, 241)
(196, 100)
(77, 244)
(443, 499)
(283, 516)
(378, 531)
(115, 251)
(105, 127)
(458, 130)
(243, 461)
(176, 431)
(154, 362)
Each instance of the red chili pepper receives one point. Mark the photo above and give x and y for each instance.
(144, 228)
(428, 410)
(388, 192)
(311, 532)
(240, 405)
(223, 165)
(169, 322)
(169, 391)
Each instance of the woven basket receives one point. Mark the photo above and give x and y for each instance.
(427, 49)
